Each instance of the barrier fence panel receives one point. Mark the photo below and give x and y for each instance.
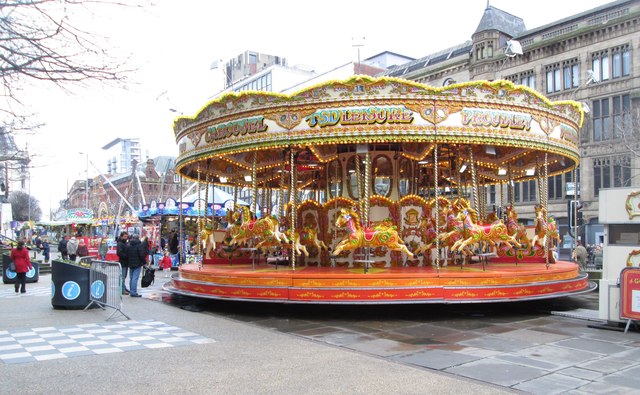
(105, 286)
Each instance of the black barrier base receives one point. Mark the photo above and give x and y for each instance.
(9, 276)
(69, 285)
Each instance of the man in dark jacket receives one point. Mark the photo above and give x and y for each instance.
(121, 251)
(136, 258)
(62, 247)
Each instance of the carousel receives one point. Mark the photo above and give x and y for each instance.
(380, 190)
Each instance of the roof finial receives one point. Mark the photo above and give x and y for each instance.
(487, 3)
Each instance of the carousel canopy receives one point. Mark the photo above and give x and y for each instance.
(505, 131)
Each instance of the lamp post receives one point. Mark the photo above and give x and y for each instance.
(86, 182)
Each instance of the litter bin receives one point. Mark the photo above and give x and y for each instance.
(69, 285)
(9, 276)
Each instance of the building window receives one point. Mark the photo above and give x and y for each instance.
(603, 126)
(563, 76)
(612, 171)
(611, 63)
(554, 78)
(528, 79)
(571, 74)
(529, 191)
(490, 50)
(492, 194)
(555, 187)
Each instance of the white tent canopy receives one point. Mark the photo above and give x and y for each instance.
(219, 197)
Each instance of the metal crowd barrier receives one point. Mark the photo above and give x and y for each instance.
(105, 286)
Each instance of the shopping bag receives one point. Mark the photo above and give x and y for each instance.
(148, 276)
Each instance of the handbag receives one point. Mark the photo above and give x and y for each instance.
(12, 266)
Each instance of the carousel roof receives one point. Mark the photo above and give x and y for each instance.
(497, 125)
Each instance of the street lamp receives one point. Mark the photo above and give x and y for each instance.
(86, 182)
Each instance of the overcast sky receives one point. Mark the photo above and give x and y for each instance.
(173, 43)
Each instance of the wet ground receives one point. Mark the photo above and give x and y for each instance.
(536, 346)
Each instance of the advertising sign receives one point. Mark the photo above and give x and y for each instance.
(630, 293)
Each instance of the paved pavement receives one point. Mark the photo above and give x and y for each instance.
(169, 350)
(176, 345)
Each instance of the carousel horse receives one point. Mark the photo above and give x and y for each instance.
(255, 228)
(544, 228)
(207, 241)
(428, 226)
(380, 236)
(492, 217)
(514, 228)
(309, 237)
(271, 242)
(453, 227)
(489, 235)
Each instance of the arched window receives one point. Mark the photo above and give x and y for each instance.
(381, 173)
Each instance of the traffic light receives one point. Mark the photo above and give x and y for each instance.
(573, 207)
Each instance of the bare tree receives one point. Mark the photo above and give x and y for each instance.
(39, 44)
(629, 129)
(24, 207)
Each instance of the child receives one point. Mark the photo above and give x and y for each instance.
(165, 264)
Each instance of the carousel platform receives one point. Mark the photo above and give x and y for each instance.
(470, 283)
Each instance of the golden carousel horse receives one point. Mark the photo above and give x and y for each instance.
(309, 237)
(380, 236)
(207, 241)
(491, 235)
(271, 243)
(428, 225)
(514, 228)
(544, 228)
(257, 228)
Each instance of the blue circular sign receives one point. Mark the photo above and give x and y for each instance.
(70, 290)
(32, 272)
(97, 289)
(10, 274)
(53, 289)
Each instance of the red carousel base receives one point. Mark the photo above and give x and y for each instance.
(491, 282)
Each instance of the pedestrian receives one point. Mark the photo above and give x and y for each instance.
(163, 243)
(173, 247)
(136, 258)
(580, 255)
(62, 247)
(20, 258)
(121, 251)
(46, 250)
(72, 248)
(103, 248)
(82, 250)
(165, 264)
(38, 242)
(145, 247)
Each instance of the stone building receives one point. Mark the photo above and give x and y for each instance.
(592, 57)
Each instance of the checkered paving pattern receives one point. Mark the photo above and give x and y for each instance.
(41, 344)
(32, 290)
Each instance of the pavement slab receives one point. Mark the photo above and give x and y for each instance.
(494, 342)
(436, 359)
(497, 372)
(551, 384)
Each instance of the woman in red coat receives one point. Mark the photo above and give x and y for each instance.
(20, 258)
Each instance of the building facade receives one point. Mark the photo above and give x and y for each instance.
(592, 57)
(155, 180)
(121, 154)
